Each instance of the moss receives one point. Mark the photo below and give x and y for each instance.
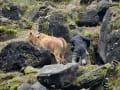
(116, 4)
(8, 29)
(68, 18)
(100, 72)
(45, 27)
(113, 79)
(87, 68)
(104, 69)
(11, 80)
(25, 23)
(115, 23)
(29, 69)
(7, 32)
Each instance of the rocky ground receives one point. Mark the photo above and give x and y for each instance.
(21, 62)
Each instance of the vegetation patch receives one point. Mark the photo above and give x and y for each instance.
(11, 80)
(25, 24)
(116, 23)
(7, 32)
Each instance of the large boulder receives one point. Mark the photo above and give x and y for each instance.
(16, 55)
(57, 25)
(11, 11)
(88, 18)
(93, 16)
(28, 86)
(113, 46)
(102, 7)
(7, 32)
(71, 76)
(39, 11)
(58, 76)
(42, 24)
(109, 44)
(85, 1)
(54, 24)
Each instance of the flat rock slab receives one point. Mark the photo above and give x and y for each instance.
(57, 76)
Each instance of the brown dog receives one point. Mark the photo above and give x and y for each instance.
(57, 46)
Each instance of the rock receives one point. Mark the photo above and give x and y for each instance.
(25, 24)
(103, 38)
(28, 86)
(42, 24)
(113, 46)
(72, 25)
(7, 32)
(40, 11)
(16, 55)
(85, 1)
(44, 9)
(88, 18)
(33, 14)
(112, 78)
(4, 20)
(102, 7)
(37, 86)
(24, 86)
(109, 40)
(11, 11)
(56, 76)
(71, 76)
(93, 16)
(12, 80)
(57, 26)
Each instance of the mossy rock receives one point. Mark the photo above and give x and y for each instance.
(11, 80)
(7, 32)
(25, 24)
(112, 79)
(30, 69)
(94, 76)
(116, 23)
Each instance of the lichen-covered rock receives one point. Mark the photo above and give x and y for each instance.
(71, 76)
(109, 44)
(54, 24)
(39, 11)
(37, 86)
(57, 76)
(102, 7)
(12, 80)
(57, 25)
(42, 24)
(11, 11)
(24, 86)
(29, 86)
(4, 20)
(93, 16)
(7, 32)
(85, 1)
(88, 18)
(25, 24)
(113, 46)
(19, 54)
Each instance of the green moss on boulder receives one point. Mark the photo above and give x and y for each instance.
(11, 80)
(7, 32)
